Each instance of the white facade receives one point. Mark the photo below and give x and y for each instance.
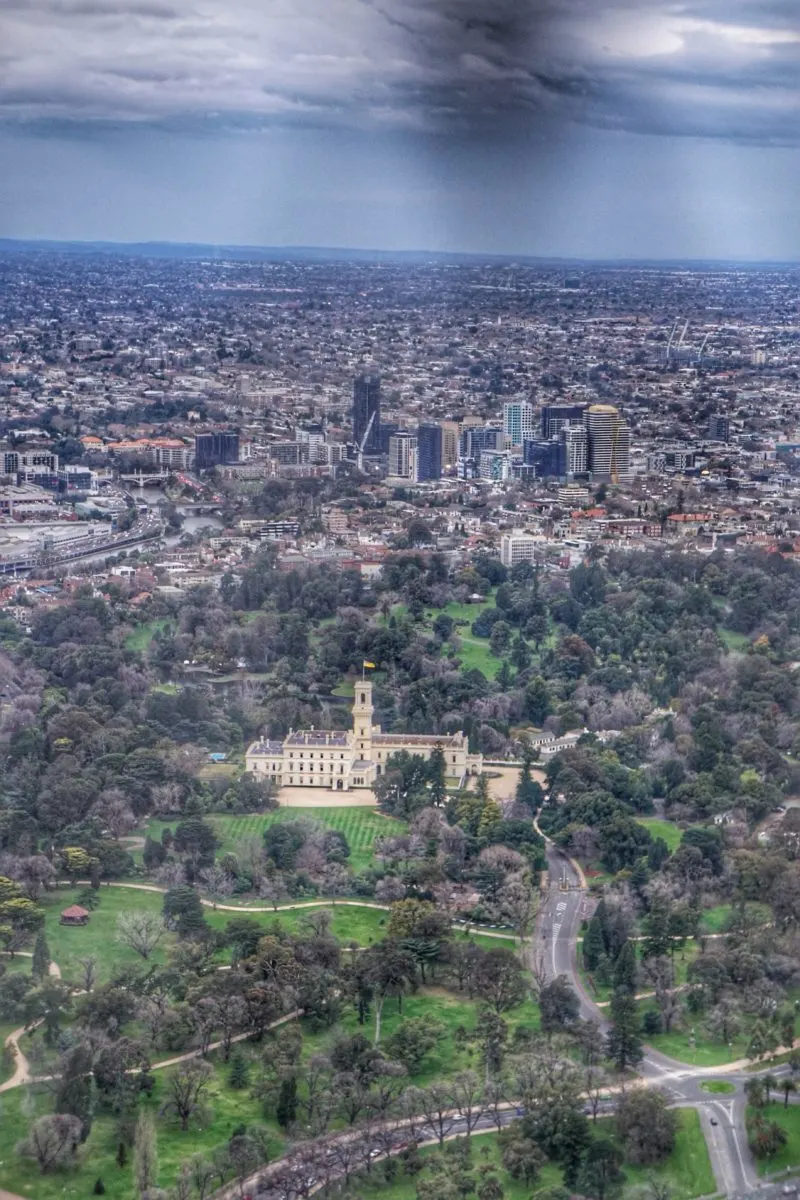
(518, 547)
(576, 445)
(518, 421)
(342, 760)
(403, 456)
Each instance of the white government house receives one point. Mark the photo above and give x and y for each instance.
(342, 760)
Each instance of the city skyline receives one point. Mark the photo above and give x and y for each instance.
(548, 129)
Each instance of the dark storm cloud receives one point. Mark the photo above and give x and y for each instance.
(721, 68)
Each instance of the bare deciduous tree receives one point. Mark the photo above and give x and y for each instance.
(141, 931)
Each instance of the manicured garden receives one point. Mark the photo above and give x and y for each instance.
(359, 825)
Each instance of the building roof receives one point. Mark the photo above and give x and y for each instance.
(267, 747)
(76, 911)
(316, 737)
(416, 739)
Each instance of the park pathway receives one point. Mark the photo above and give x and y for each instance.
(270, 908)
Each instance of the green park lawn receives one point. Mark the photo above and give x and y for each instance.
(668, 831)
(454, 1011)
(360, 925)
(142, 635)
(359, 825)
(714, 920)
(485, 1151)
(683, 957)
(732, 640)
(687, 1170)
(226, 1110)
(718, 1087)
(788, 1119)
(705, 1053)
(69, 943)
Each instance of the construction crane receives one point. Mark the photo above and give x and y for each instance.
(363, 442)
(703, 345)
(683, 334)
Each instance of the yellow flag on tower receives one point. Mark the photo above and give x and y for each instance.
(368, 664)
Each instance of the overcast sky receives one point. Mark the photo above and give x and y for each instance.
(642, 128)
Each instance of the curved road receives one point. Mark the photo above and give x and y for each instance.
(722, 1117)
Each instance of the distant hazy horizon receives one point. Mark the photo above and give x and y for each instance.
(253, 253)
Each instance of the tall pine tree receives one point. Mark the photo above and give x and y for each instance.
(623, 1045)
(41, 956)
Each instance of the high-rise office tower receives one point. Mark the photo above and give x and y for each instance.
(719, 428)
(449, 444)
(576, 449)
(609, 443)
(547, 458)
(403, 456)
(518, 421)
(429, 453)
(556, 416)
(366, 408)
(215, 450)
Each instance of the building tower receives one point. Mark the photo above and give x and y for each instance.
(362, 720)
(609, 443)
(576, 447)
(518, 421)
(429, 453)
(403, 456)
(366, 408)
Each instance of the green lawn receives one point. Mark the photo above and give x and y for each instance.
(359, 825)
(714, 920)
(70, 943)
(226, 1109)
(732, 640)
(718, 1087)
(360, 925)
(705, 1053)
(683, 957)
(667, 830)
(449, 1008)
(485, 1151)
(788, 1119)
(142, 635)
(687, 1170)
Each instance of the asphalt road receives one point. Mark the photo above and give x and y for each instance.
(721, 1117)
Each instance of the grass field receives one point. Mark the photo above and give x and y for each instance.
(687, 1170)
(714, 920)
(140, 638)
(96, 1159)
(705, 1053)
(360, 925)
(683, 958)
(788, 1119)
(718, 1087)
(666, 830)
(70, 943)
(359, 825)
(485, 1152)
(732, 640)
(452, 1010)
